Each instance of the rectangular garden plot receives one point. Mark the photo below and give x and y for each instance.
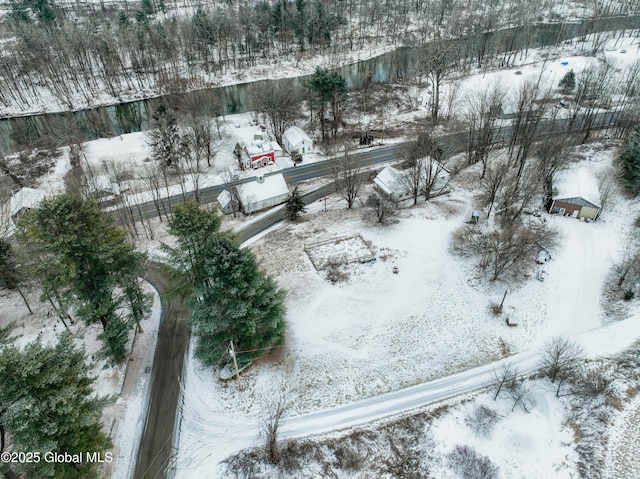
(341, 250)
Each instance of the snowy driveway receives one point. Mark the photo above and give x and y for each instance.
(233, 435)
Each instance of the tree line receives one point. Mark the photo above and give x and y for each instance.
(78, 55)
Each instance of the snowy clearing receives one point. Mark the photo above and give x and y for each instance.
(430, 320)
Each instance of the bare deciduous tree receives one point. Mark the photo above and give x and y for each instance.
(592, 92)
(521, 395)
(279, 102)
(153, 179)
(412, 174)
(530, 109)
(480, 120)
(503, 249)
(607, 180)
(274, 407)
(504, 377)
(381, 208)
(347, 176)
(470, 464)
(552, 156)
(482, 420)
(492, 184)
(629, 267)
(560, 357)
(439, 60)
(517, 193)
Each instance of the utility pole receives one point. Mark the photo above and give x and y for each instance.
(232, 353)
(501, 303)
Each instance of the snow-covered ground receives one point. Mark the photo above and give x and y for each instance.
(379, 332)
(127, 383)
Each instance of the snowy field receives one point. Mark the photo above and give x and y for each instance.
(378, 332)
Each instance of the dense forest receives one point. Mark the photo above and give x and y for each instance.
(79, 55)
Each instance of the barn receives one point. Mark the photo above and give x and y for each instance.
(575, 194)
(295, 139)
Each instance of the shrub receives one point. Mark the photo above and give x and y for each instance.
(470, 464)
(482, 420)
(629, 294)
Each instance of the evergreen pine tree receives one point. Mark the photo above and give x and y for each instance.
(48, 405)
(568, 81)
(294, 205)
(193, 227)
(629, 162)
(88, 261)
(236, 301)
(329, 94)
(166, 142)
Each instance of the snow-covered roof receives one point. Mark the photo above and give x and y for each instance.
(390, 181)
(26, 198)
(104, 183)
(224, 198)
(294, 135)
(259, 148)
(275, 146)
(393, 181)
(577, 184)
(254, 191)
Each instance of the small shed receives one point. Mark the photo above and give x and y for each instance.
(576, 194)
(24, 200)
(295, 139)
(227, 203)
(265, 192)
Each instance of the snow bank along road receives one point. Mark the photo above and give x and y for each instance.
(155, 446)
(233, 435)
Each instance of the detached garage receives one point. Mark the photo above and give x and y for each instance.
(576, 194)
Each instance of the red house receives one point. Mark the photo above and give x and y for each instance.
(255, 155)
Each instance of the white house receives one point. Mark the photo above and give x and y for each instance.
(24, 200)
(264, 192)
(295, 138)
(397, 185)
(391, 183)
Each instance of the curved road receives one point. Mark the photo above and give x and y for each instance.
(155, 450)
(155, 446)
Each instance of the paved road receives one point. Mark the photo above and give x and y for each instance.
(453, 143)
(155, 447)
